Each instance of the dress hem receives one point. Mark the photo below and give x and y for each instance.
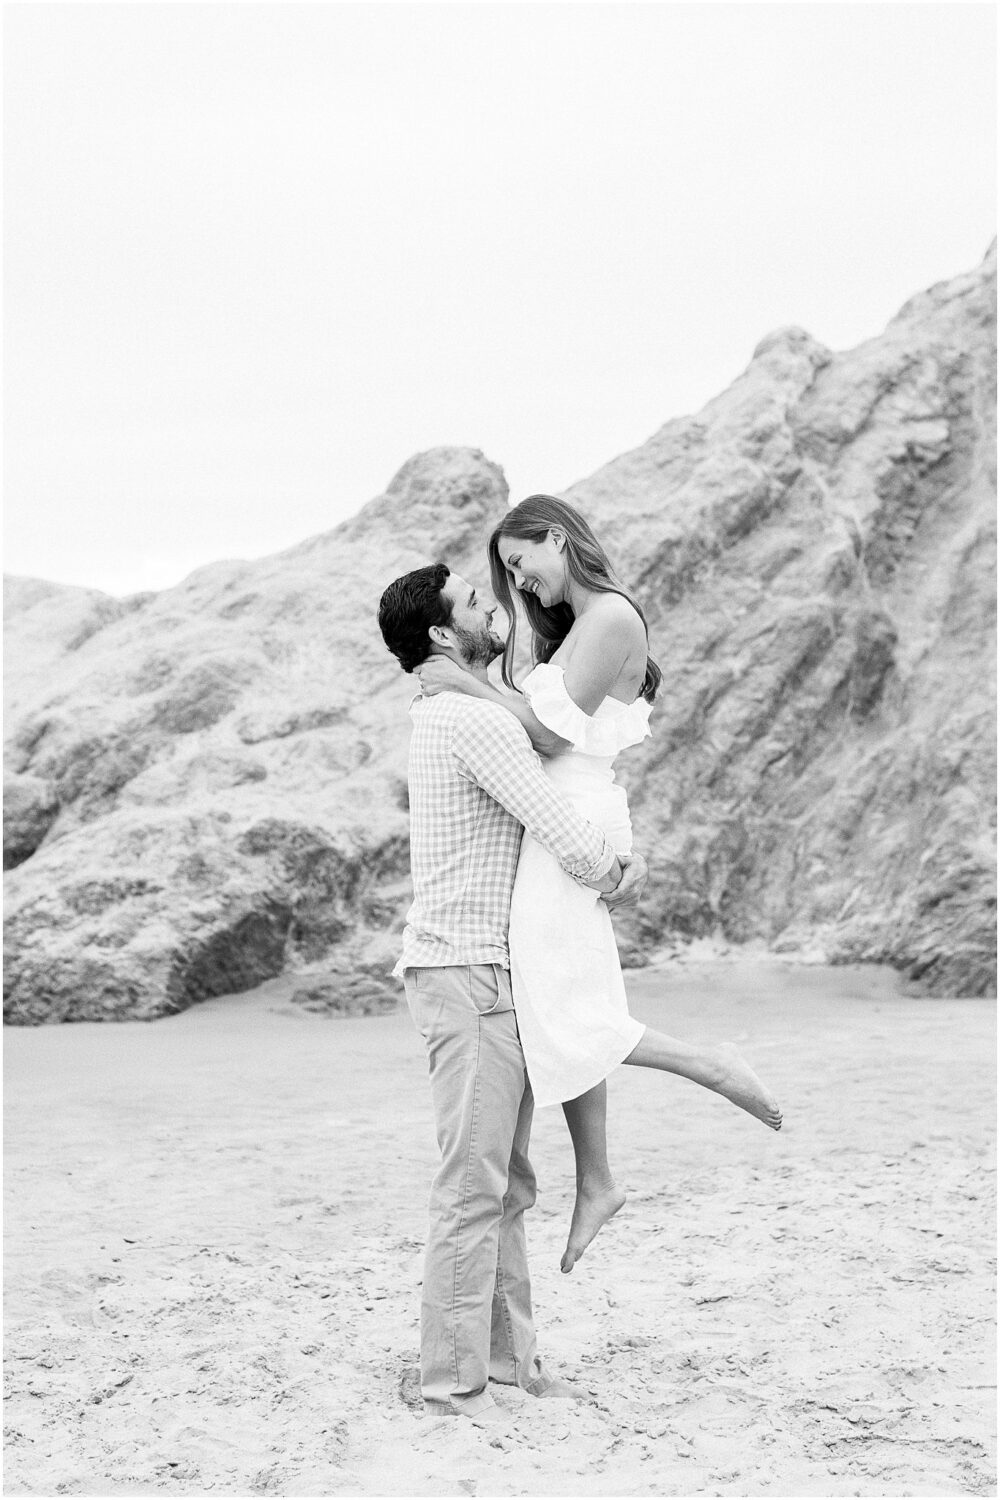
(608, 1068)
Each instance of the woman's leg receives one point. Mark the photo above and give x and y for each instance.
(597, 1194)
(720, 1068)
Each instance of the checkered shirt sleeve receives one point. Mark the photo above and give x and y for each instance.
(475, 782)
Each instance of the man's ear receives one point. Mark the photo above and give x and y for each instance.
(438, 636)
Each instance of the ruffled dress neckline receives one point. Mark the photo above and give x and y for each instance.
(614, 726)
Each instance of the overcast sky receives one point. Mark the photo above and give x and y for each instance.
(258, 255)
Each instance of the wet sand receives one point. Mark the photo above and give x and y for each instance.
(215, 1224)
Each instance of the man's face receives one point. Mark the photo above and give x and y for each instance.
(472, 622)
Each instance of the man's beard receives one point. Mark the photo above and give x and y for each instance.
(478, 650)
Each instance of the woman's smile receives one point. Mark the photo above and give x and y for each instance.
(547, 584)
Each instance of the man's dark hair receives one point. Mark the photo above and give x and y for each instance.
(408, 609)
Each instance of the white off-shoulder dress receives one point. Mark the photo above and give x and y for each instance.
(569, 996)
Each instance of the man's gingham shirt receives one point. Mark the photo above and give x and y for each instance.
(475, 783)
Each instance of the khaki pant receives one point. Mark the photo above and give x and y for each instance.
(475, 1317)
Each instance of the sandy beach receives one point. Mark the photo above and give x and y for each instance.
(215, 1225)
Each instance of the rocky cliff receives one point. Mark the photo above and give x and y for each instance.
(206, 786)
(817, 552)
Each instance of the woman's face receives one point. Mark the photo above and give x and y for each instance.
(537, 568)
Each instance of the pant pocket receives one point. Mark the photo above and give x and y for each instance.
(489, 989)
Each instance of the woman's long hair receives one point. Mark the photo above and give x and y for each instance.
(588, 564)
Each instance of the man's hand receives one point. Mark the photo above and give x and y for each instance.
(632, 884)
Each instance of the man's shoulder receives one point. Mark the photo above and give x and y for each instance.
(465, 717)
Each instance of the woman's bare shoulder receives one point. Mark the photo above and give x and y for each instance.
(616, 614)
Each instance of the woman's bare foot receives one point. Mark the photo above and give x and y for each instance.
(736, 1081)
(591, 1211)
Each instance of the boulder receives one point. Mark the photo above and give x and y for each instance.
(209, 789)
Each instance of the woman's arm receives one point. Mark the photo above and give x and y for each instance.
(602, 642)
(439, 674)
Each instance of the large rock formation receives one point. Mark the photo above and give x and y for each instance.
(207, 785)
(816, 551)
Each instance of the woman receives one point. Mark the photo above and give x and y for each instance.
(587, 697)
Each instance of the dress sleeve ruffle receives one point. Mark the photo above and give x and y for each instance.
(614, 727)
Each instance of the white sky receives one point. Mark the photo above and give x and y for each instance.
(258, 255)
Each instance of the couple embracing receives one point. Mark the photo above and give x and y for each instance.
(520, 846)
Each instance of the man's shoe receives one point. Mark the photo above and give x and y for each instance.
(490, 1416)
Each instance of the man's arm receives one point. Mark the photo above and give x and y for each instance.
(608, 884)
(492, 749)
(439, 674)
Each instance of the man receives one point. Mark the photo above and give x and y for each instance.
(475, 784)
